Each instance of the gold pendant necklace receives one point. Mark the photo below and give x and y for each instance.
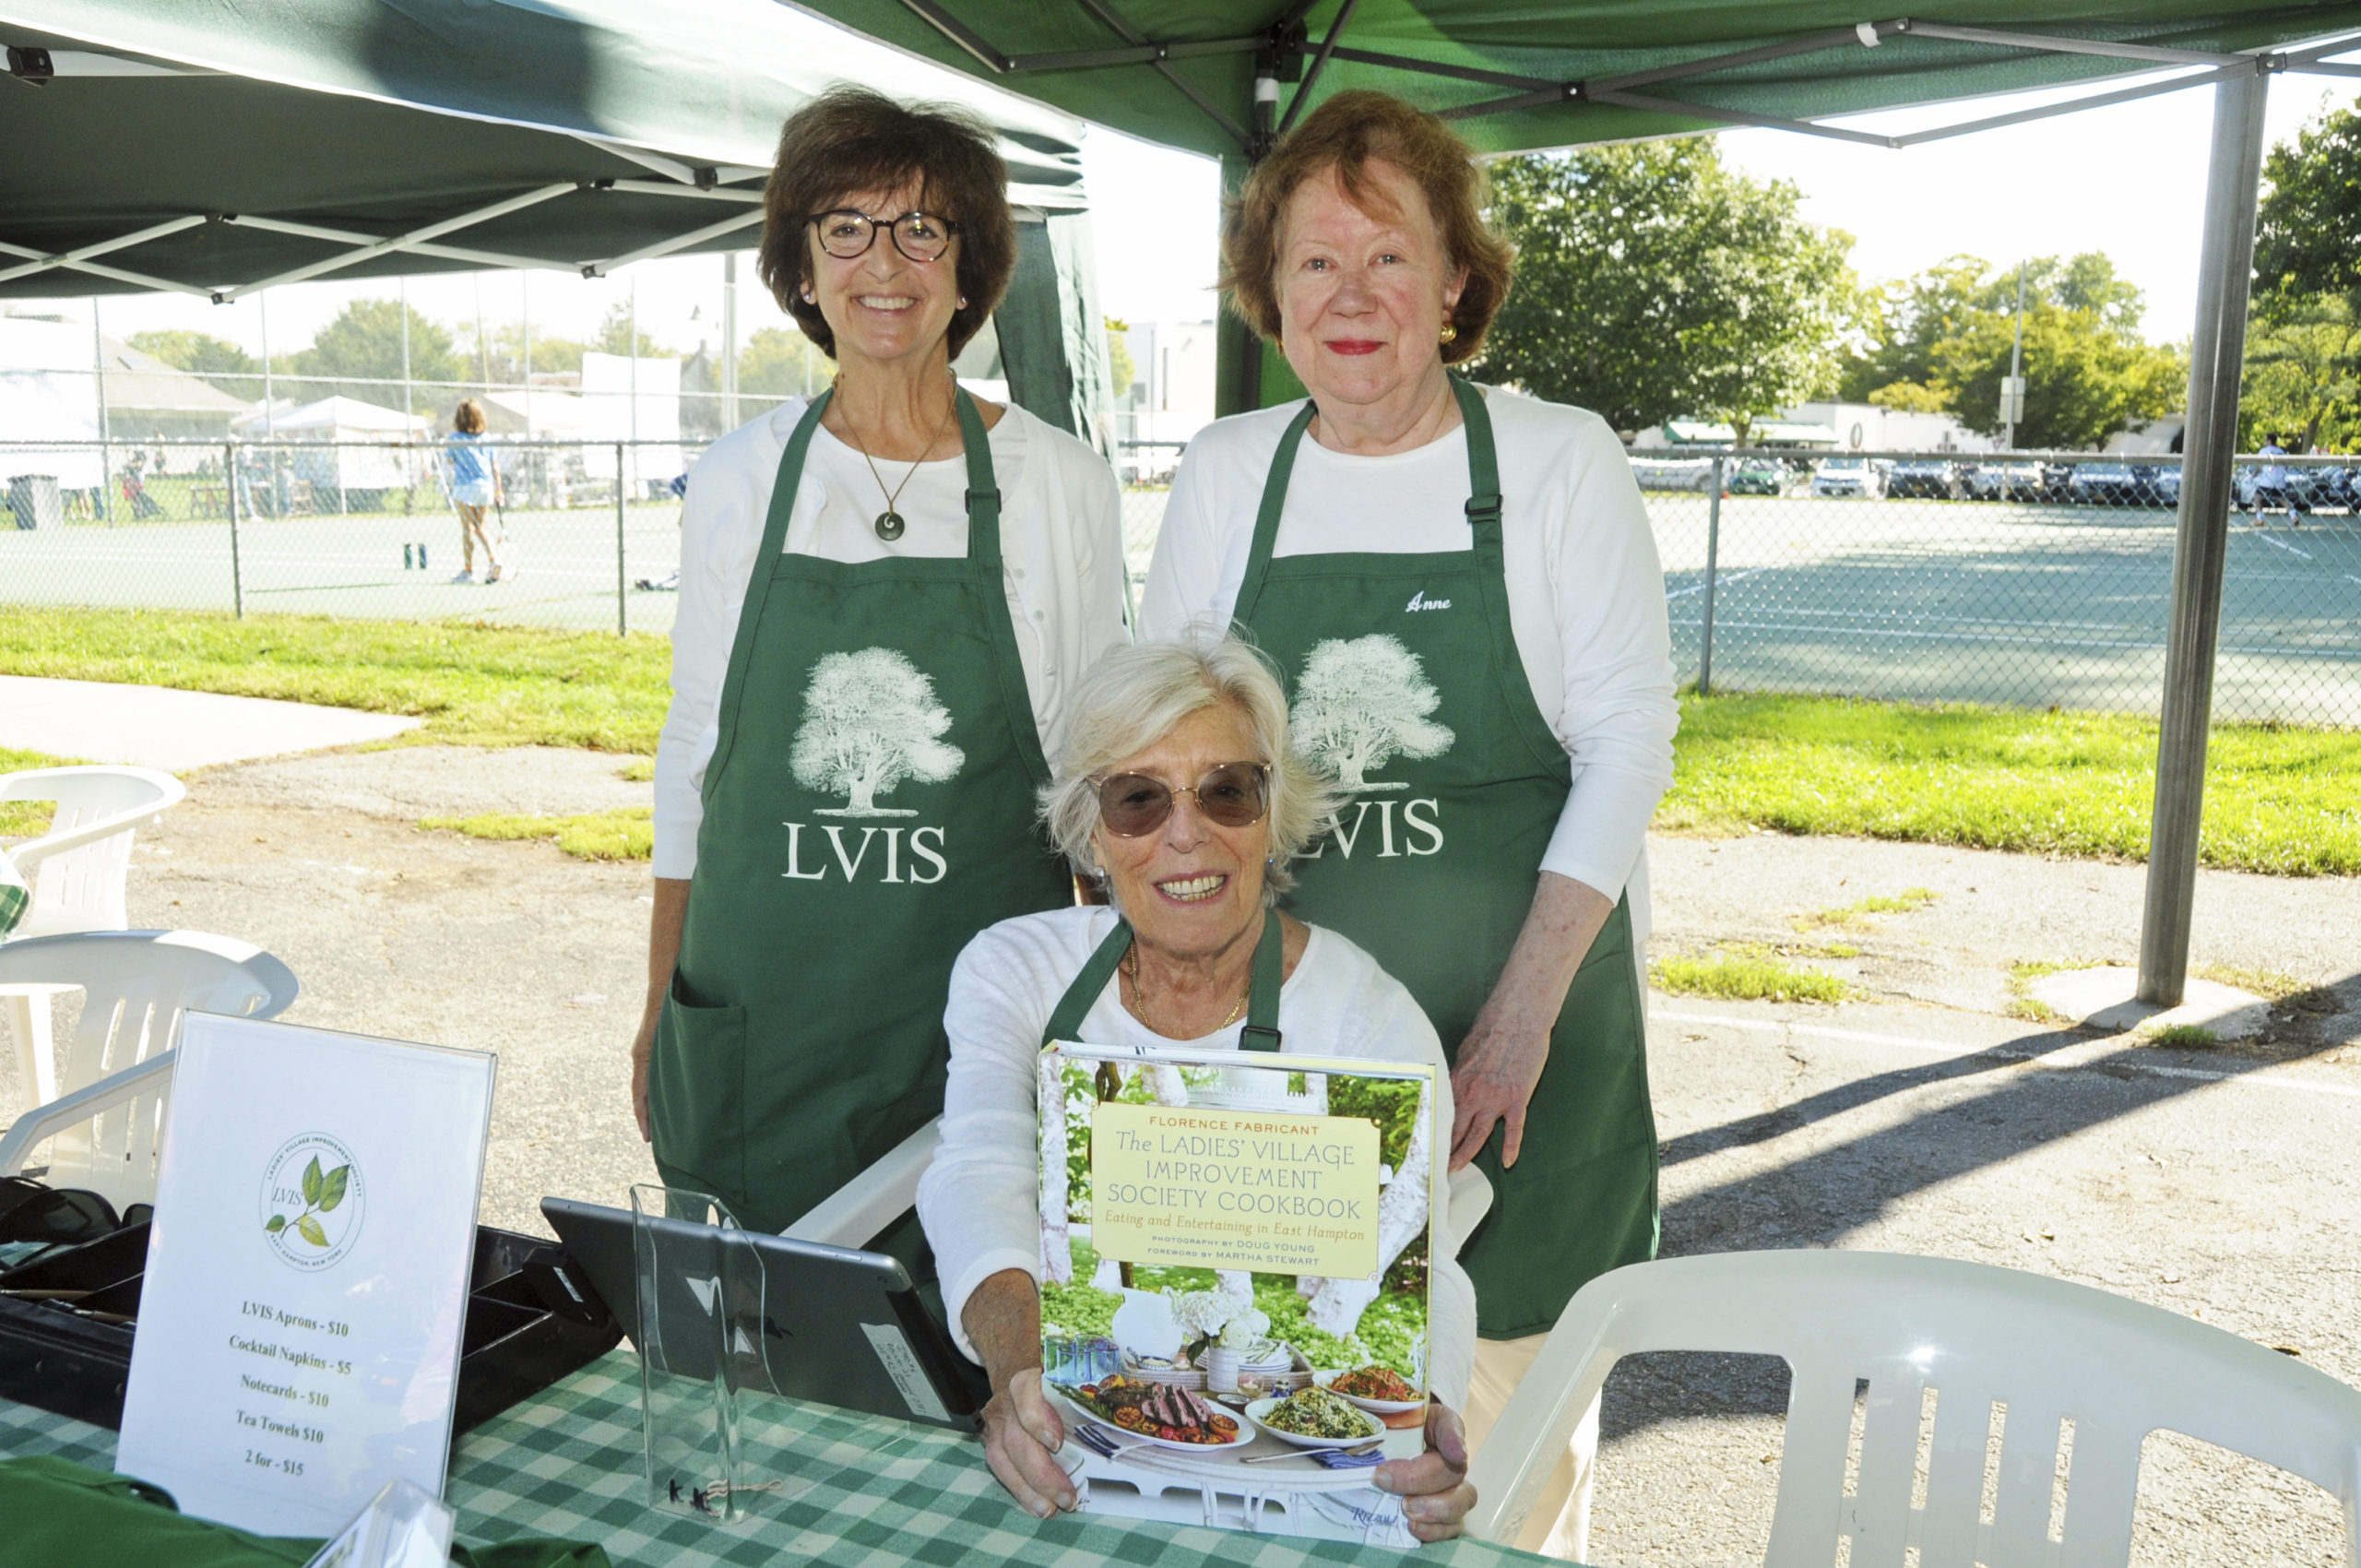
(1139, 996)
(889, 524)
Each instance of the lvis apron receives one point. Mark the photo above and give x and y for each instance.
(1409, 690)
(869, 807)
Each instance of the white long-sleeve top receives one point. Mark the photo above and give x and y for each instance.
(1061, 550)
(1585, 590)
(977, 1199)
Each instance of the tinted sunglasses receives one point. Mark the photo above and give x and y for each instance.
(1235, 794)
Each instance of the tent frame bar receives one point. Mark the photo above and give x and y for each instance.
(77, 258)
(1535, 93)
(679, 242)
(402, 242)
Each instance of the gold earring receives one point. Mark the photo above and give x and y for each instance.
(1449, 334)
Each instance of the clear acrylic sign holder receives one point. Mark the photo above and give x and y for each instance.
(719, 1446)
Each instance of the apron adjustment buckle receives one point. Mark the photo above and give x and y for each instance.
(1258, 1037)
(1484, 508)
(986, 497)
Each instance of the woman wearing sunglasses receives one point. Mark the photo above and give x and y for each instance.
(887, 592)
(1174, 789)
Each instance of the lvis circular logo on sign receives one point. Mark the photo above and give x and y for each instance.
(312, 1201)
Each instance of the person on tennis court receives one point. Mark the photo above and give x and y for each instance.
(1460, 584)
(475, 487)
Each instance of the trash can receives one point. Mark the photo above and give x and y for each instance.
(35, 501)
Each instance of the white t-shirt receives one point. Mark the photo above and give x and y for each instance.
(1585, 590)
(978, 1198)
(1062, 552)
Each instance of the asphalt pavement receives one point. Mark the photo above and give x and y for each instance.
(1923, 1119)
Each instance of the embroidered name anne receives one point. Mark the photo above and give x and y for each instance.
(1419, 601)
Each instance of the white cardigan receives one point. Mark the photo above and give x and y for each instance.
(977, 1199)
(1062, 547)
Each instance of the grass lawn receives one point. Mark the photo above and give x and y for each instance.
(1746, 974)
(627, 834)
(473, 684)
(2276, 799)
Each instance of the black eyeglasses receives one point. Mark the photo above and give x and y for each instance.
(1235, 794)
(921, 236)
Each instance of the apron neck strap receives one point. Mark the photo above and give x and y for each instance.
(983, 489)
(1262, 1031)
(1483, 490)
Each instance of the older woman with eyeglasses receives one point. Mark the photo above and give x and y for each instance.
(887, 592)
(1175, 790)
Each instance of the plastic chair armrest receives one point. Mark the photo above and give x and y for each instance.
(46, 1121)
(32, 851)
(1523, 1450)
(874, 1199)
(1467, 1198)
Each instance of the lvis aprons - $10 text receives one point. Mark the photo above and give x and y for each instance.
(868, 809)
(1407, 687)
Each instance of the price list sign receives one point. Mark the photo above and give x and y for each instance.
(307, 1273)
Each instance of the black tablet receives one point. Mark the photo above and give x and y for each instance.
(843, 1327)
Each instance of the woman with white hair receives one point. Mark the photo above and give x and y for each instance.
(1174, 789)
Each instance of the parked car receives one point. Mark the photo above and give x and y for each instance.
(1848, 476)
(2054, 480)
(1924, 476)
(1673, 473)
(1989, 481)
(2124, 485)
(1757, 476)
(2310, 488)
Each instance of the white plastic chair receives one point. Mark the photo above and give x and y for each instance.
(1975, 1336)
(77, 871)
(105, 1129)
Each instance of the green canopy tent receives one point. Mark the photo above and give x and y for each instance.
(223, 146)
(1224, 76)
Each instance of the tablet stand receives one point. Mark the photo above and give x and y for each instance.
(717, 1445)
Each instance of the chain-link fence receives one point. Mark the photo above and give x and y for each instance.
(587, 537)
(2032, 580)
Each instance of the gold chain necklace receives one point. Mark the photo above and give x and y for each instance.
(889, 524)
(1139, 996)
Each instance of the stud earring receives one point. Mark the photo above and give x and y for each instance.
(1449, 334)
(963, 301)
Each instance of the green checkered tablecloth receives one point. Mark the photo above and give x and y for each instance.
(567, 1465)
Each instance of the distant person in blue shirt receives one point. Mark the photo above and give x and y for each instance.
(2270, 486)
(475, 484)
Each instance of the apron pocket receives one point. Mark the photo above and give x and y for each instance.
(697, 1094)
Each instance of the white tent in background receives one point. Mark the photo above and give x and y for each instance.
(631, 400)
(47, 394)
(384, 463)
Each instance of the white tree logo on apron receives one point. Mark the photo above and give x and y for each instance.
(1359, 704)
(870, 721)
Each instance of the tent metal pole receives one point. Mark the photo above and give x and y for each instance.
(405, 242)
(679, 242)
(728, 340)
(99, 375)
(2217, 353)
(237, 578)
(1713, 573)
(622, 612)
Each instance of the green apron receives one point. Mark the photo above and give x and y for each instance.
(1409, 689)
(869, 807)
(1262, 1030)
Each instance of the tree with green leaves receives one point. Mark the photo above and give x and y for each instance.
(2307, 228)
(617, 331)
(1653, 282)
(1941, 342)
(2303, 374)
(1120, 371)
(364, 344)
(222, 363)
(778, 362)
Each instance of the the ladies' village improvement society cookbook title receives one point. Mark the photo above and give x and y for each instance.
(1234, 1296)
